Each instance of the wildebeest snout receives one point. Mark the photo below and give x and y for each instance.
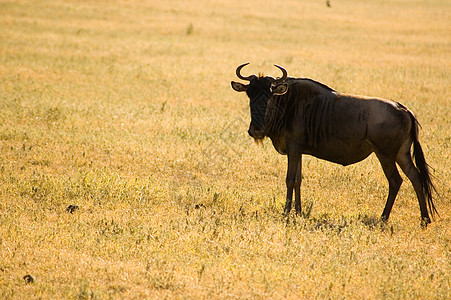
(256, 133)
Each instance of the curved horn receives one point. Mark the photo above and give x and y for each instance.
(238, 73)
(284, 75)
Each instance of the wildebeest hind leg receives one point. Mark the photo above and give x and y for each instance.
(394, 182)
(407, 166)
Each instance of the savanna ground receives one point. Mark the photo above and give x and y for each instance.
(124, 110)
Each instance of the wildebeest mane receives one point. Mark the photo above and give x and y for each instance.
(283, 109)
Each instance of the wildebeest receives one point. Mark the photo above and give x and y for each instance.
(303, 116)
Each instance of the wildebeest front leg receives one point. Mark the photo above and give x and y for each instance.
(297, 187)
(293, 164)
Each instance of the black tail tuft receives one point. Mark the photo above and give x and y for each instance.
(423, 168)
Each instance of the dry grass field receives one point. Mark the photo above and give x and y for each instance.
(127, 171)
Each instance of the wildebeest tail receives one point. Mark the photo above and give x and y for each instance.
(422, 166)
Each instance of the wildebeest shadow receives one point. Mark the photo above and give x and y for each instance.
(324, 222)
(305, 221)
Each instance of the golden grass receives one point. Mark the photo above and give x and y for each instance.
(124, 109)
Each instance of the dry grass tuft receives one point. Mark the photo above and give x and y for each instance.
(127, 172)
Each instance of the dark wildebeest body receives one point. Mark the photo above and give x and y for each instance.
(302, 116)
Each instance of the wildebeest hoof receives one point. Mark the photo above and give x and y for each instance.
(425, 222)
(384, 219)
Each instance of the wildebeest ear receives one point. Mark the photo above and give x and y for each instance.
(239, 87)
(280, 89)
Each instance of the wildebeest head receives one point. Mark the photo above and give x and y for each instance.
(259, 90)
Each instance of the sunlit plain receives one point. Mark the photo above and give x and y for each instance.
(124, 110)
